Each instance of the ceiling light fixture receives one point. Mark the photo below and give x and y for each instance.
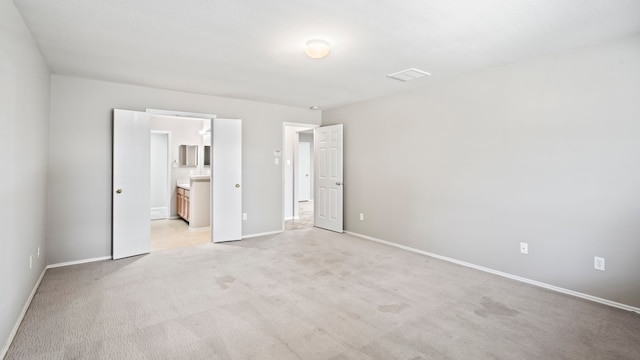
(317, 48)
(314, 107)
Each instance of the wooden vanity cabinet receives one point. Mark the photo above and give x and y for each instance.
(183, 203)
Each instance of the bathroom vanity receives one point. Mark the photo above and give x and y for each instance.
(194, 200)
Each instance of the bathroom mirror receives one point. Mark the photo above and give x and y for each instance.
(188, 155)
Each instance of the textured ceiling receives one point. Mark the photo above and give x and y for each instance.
(253, 49)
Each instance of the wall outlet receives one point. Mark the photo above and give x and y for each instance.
(361, 216)
(244, 216)
(598, 263)
(30, 261)
(524, 248)
(277, 160)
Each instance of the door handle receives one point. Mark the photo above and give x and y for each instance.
(237, 185)
(339, 183)
(119, 191)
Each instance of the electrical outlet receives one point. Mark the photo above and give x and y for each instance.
(277, 161)
(361, 217)
(524, 248)
(30, 261)
(598, 263)
(244, 216)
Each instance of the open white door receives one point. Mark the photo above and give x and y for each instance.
(226, 174)
(328, 177)
(131, 183)
(304, 171)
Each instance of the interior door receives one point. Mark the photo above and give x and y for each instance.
(131, 183)
(304, 171)
(226, 173)
(329, 181)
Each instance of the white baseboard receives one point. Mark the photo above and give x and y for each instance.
(13, 332)
(68, 263)
(503, 274)
(261, 234)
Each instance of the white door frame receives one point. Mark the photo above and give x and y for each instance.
(285, 127)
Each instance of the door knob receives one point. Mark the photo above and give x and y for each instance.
(339, 183)
(237, 185)
(119, 191)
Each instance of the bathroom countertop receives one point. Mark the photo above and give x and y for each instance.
(200, 177)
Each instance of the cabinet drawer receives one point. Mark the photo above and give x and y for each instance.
(180, 191)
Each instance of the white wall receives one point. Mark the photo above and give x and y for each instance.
(544, 151)
(24, 124)
(81, 152)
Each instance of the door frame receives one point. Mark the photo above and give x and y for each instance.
(298, 127)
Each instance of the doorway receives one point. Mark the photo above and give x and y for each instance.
(132, 172)
(298, 173)
(173, 164)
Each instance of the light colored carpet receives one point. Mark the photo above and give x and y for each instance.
(309, 294)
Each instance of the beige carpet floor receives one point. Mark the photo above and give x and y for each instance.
(309, 294)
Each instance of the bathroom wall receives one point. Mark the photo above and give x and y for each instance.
(80, 178)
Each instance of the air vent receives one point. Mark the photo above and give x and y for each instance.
(409, 74)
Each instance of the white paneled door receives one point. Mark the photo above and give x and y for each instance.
(226, 173)
(328, 177)
(131, 183)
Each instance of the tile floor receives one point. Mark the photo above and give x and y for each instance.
(305, 220)
(172, 234)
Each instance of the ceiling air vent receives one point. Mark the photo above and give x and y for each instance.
(409, 74)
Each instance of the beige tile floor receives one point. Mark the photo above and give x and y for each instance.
(305, 220)
(172, 234)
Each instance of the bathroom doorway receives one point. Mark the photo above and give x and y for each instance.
(179, 147)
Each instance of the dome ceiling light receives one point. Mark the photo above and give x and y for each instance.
(317, 48)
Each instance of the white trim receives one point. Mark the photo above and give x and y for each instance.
(261, 234)
(503, 274)
(13, 332)
(68, 263)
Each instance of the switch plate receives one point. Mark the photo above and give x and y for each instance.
(361, 216)
(598, 263)
(524, 248)
(244, 216)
